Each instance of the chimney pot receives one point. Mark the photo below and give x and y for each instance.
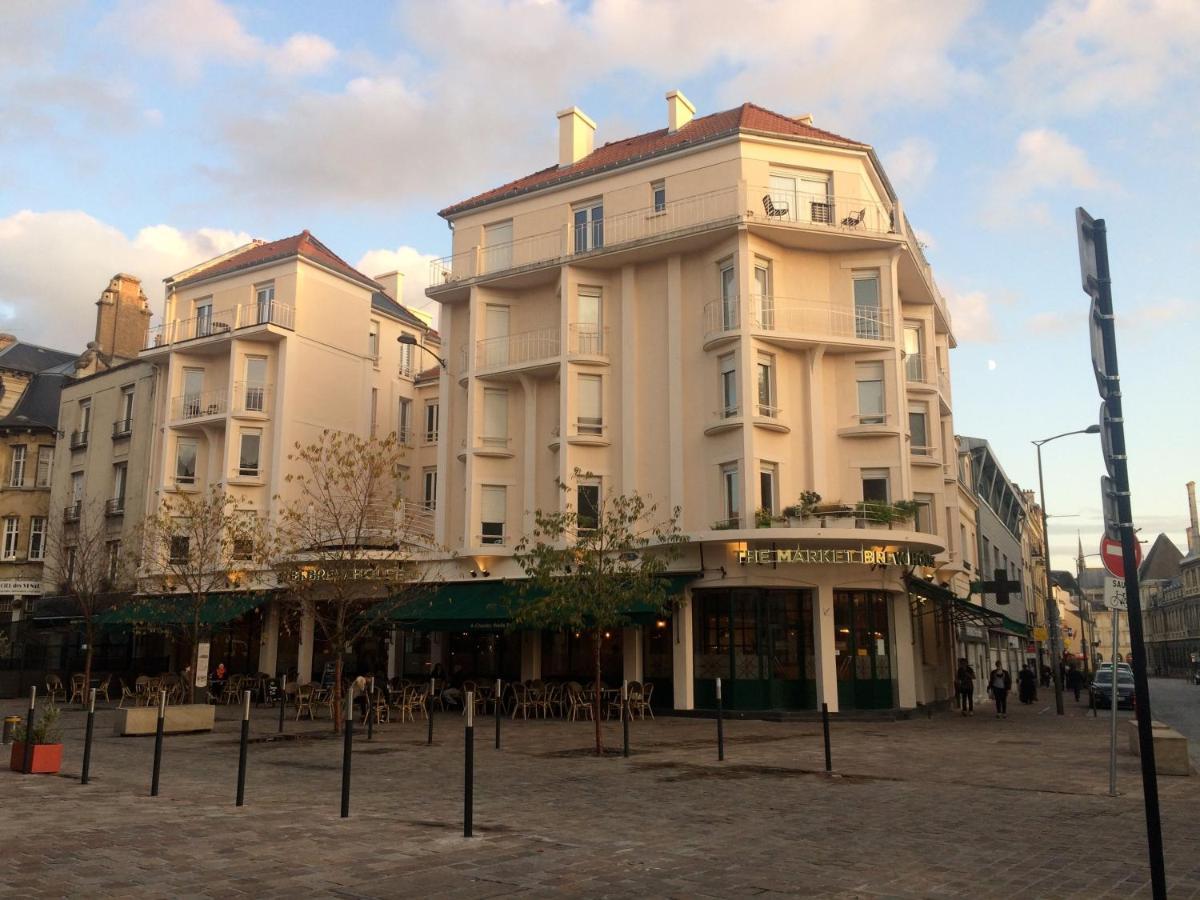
(393, 284)
(679, 111)
(576, 135)
(1194, 536)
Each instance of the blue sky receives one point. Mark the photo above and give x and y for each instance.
(144, 136)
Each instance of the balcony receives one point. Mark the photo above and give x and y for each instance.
(73, 512)
(122, 428)
(920, 372)
(201, 405)
(523, 351)
(79, 439)
(789, 321)
(114, 507)
(220, 322)
(590, 341)
(251, 398)
(849, 219)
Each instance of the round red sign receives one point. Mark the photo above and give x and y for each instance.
(1114, 559)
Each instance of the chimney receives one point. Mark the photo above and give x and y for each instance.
(805, 119)
(122, 317)
(679, 111)
(393, 285)
(1194, 531)
(576, 135)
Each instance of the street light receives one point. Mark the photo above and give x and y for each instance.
(411, 340)
(1051, 606)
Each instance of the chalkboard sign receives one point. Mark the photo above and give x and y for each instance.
(272, 691)
(329, 675)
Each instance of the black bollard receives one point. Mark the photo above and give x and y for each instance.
(825, 728)
(87, 737)
(349, 741)
(429, 711)
(469, 773)
(158, 736)
(720, 726)
(499, 689)
(27, 762)
(241, 782)
(282, 699)
(625, 718)
(370, 704)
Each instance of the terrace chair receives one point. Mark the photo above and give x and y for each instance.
(127, 693)
(233, 689)
(578, 704)
(304, 700)
(377, 706)
(555, 701)
(523, 701)
(55, 692)
(410, 700)
(644, 700)
(103, 687)
(854, 219)
(783, 210)
(78, 687)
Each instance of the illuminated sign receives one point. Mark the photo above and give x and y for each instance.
(868, 556)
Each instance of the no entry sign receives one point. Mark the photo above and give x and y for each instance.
(1113, 557)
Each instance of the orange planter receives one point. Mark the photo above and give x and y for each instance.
(47, 758)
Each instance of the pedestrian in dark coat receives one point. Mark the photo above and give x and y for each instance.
(964, 687)
(999, 684)
(1074, 681)
(1027, 684)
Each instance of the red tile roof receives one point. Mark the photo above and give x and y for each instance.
(746, 117)
(302, 244)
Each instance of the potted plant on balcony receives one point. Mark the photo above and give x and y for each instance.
(802, 509)
(47, 744)
(879, 514)
(835, 514)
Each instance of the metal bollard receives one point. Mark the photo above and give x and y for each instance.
(282, 699)
(158, 736)
(625, 718)
(498, 694)
(825, 728)
(349, 741)
(241, 782)
(469, 773)
(27, 762)
(370, 704)
(720, 726)
(87, 737)
(429, 704)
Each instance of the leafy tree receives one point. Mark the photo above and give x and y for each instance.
(347, 541)
(587, 568)
(197, 549)
(86, 562)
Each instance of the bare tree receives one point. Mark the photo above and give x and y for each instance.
(86, 561)
(197, 550)
(587, 568)
(347, 542)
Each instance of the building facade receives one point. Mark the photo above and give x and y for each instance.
(723, 315)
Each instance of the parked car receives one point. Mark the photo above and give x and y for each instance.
(1102, 685)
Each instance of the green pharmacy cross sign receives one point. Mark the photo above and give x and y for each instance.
(1002, 587)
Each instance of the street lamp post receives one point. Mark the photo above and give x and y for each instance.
(411, 341)
(1051, 606)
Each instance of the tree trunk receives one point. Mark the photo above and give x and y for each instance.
(195, 656)
(89, 635)
(338, 712)
(596, 690)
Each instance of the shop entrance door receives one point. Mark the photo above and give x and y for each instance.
(863, 643)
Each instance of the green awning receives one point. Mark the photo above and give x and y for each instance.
(484, 605)
(964, 611)
(218, 608)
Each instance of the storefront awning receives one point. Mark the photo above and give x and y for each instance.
(963, 611)
(485, 605)
(218, 608)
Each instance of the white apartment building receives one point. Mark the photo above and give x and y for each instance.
(722, 314)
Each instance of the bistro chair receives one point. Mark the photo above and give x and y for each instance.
(643, 702)
(304, 700)
(103, 687)
(578, 705)
(775, 212)
(377, 706)
(410, 701)
(54, 689)
(78, 686)
(523, 701)
(141, 690)
(127, 693)
(855, 219)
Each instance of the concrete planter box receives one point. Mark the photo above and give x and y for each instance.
(178, 720)
(1170, 748)
(46, 758)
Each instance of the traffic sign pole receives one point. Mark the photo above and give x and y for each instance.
(1112, 731)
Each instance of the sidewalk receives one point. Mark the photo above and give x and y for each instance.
(948, 806)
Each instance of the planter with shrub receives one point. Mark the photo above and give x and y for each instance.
(47, 744)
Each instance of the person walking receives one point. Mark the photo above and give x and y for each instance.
(1027, 684)
(964, 686)
(1074, 681)
(999, 684)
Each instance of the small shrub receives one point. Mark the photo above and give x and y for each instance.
(46, 730)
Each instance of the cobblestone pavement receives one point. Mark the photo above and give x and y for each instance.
(1177, 702)
(939, 807)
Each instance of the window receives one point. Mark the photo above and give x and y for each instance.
(255, 388)
(802, 196)
(729, 304)
(373, 341)
(76, 507)
(731, 494)
(589, 226)
(918, 430)
(120, 477)
(404, 421)
(768, 479)
(924, 517)
(429, 489)
(766, 386)
(914, 359)
(588, 331)
(37, 538)
(870, 393)
(85, 420)
(868, 316)
(658, 191)
(248, 456)
(264, 300)
(185, 461)
(431, 423)
(591, 405)
(493, 504)
(495, 417)
(406, 360)
(204, 317)
(587, 505)
(12, 533)
(179, 549)
(497, 246)
(16, 474)
(193, 393)
(114, 560)
(124, 412)
(729, 397)
(766, 302)
(45, 466)
(875, 486)
(374, 411)
(72, 554)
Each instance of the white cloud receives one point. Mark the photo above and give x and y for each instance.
(1044, 161)
(54, 264)
(1149, 316)
(191, 34)
(1054, 323)
(971, 313)
(910, 164)
(409, 261)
